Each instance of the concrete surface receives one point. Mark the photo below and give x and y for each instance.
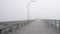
(37, 27)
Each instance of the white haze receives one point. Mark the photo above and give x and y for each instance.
(11, 10)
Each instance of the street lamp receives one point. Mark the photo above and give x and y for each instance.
(28, 9)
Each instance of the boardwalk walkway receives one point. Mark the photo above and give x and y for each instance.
(37, 27)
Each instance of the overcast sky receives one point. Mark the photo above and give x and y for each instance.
(18, 9)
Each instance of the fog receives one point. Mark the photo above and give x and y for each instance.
(11, 10)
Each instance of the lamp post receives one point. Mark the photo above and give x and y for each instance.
(28, 9)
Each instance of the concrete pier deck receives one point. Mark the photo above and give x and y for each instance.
(37, 27)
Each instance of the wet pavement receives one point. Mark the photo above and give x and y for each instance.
(36, 27)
